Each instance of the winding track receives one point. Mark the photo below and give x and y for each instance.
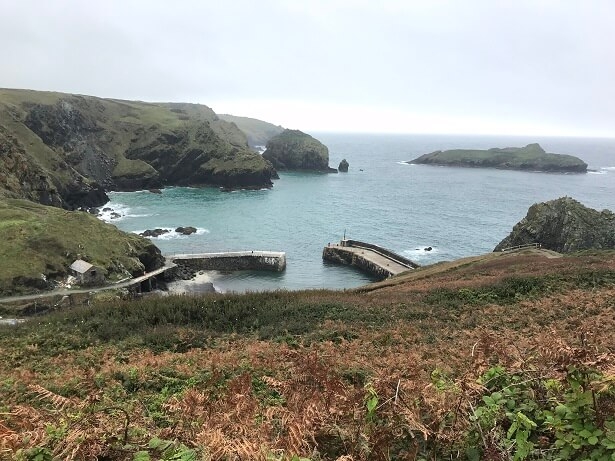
(65, 292)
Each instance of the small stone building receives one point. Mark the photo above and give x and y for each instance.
(86, 273)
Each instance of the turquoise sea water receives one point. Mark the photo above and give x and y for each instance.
(457, 211)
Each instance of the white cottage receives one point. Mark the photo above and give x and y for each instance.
(86, 273)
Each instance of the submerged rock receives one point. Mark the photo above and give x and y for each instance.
(563, 225)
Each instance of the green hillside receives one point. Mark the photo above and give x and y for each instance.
(39, 243)
(74, 144)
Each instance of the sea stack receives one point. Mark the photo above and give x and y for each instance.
(295, 150)
(343, 166)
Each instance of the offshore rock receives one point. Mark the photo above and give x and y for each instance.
(154, 232)
(563, 225)
(186, 230)
(295, 150)
(343, 166)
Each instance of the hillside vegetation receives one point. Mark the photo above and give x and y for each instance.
(39, 243)
(258, 132)
(68, 144)
(531, 157)
(504, 356)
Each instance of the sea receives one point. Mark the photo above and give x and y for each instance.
(457, 212)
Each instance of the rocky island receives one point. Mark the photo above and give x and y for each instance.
(529, 158)
(295, 150)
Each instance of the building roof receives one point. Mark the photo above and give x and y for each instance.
(81, 266)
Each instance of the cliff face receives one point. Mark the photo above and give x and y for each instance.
(531, 157)
(21, 176)
(40, 242)
(563, 225)
(82, 144)
(295, 150)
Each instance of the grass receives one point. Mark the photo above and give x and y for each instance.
(44, 240)
(387, 373)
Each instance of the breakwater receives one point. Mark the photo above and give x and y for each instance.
(231, 261)
(370, 258)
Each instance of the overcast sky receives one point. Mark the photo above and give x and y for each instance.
(472, 66)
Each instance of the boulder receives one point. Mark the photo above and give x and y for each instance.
(343, 166)
(563, 225)
(186, 230)
(154, 232)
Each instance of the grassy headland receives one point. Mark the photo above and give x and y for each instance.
(67, 144)
(258, 132)
(494, 357)
(39, 243)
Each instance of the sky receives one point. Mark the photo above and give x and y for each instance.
(524, 67)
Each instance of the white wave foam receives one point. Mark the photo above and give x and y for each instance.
(401, 162)
(171, 234)
(200, 283)
(109, 213)
(420, 253)
(597, 172)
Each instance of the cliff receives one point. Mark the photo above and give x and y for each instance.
(531, 157)
(40, 242)
(295, 150)
(68, 149)
(258, 132)
(563, 225)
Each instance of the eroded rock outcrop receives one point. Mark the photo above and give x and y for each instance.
(563, 225)
(295, 150)
(343, 166)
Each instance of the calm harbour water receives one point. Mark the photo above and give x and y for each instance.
(456, 211)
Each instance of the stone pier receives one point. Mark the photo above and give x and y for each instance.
(370, 258)
(232, 261)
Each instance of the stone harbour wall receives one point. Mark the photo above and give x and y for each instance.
(341, 256)
(233, 261)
